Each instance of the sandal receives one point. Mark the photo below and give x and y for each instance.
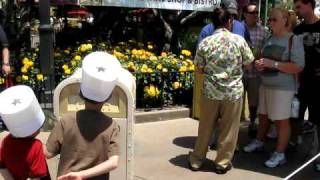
(219, 170)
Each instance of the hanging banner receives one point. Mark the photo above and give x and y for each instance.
(195, 5)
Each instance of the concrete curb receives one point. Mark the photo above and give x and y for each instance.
(162, 115)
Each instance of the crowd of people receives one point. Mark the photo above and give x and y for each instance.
(276, 69)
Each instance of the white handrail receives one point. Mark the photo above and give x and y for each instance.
(301, 167)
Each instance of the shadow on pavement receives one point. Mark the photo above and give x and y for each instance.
(182, 161)
(185, 142)
(255, 161)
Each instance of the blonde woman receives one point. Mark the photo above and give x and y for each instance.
(278, 84)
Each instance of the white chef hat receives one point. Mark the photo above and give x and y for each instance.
(20, 111)
(100, 72)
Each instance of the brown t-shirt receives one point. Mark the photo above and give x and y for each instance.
(84, 140)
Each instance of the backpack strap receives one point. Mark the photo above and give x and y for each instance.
(290, 46)
(295, 76)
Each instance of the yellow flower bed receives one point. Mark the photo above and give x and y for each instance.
(158, 75)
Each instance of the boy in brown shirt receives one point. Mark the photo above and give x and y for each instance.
(88, 140)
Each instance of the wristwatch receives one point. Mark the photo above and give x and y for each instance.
(276, 65)
(6, 64)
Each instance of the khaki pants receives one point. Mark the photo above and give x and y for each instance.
(197, 91)
(229, 113)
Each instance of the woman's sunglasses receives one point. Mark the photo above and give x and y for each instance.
(272, 20)
(253, 12)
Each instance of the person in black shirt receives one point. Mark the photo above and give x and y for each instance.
(309, 91)
(5, 61)
(5, 52)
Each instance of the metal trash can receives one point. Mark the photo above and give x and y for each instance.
(120, 107)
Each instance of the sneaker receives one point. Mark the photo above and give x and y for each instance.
(308, 127)
(254, 145)
(275, 160)
(194, 163)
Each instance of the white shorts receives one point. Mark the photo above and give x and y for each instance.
(275, 103)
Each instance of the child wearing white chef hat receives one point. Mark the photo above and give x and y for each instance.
(88, 140)
(21, 153)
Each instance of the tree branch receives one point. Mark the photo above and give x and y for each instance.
(169, 31)
(190, 16)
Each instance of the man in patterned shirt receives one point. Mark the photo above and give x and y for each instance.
(221, 58)
(258, 36)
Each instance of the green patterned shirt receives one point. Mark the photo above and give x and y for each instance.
(223, 56)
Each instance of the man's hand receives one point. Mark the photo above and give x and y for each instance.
(259, 64)
(71, 176)
(104, 167)
(5, 59)
(6, 69)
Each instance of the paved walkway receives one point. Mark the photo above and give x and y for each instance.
(161, 150)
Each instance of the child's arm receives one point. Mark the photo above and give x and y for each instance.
(48, 154)
(5, 174)
(54, 141)
(104, 167)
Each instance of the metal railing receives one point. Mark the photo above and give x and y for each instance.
(314, 149)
